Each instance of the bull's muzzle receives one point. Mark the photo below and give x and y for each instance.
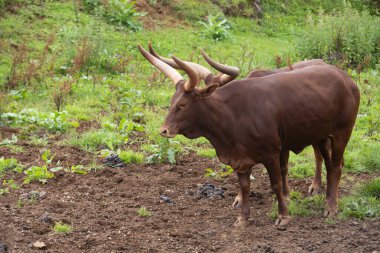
(165, 132)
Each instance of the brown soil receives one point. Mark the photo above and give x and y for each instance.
(102, 209)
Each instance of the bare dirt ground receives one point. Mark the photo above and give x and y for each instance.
(102, 209)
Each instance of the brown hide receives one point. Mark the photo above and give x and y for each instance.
(299, 65)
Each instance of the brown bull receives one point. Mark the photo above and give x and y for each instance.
(316, 185)
(259, 120)
(229, 74)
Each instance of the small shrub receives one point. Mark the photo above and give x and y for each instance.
(62, 228)
(216, 27)
(349, 37)
(144, 212)
(130, 156)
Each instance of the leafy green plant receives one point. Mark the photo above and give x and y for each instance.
(54, 122)
(62, 228)
(123, 13)
(37, 173)
(165, 150)
(220, 173)
(9, 164)
(144, 212)
(216, 27)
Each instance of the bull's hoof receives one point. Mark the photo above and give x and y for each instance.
(314, 189)
(329, 213)
(237, 202)
(283, 220)
(241, 223)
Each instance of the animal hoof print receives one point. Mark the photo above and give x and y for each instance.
(283, 221)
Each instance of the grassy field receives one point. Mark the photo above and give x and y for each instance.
(72, 77)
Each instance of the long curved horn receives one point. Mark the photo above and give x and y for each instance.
(203, 72)
(230, 72)
(193, 75)
(163, 67)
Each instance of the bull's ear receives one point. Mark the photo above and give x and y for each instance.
(208, 90)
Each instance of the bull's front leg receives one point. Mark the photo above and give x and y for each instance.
(274, 170)
(244, 183)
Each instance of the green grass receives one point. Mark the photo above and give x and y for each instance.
(302, 206)
(62, 228)
(96, 139)
(207, 152)
(130, 156)
(144, 212)
(371, 189)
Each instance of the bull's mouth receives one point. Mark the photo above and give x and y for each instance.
(166, 135)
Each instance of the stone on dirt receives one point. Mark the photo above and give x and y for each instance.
(166, 199)
(35, 195)
(208, 190)
(114, 161)
(39, 245)
(3, 248)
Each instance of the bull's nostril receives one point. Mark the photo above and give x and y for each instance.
(164, 131)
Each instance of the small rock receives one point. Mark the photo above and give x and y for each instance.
(281, 228)
(208, 191)
(35, 195)
(166, 199)
(39, 245)
(114, 161)
(47, 219)
(3, 248)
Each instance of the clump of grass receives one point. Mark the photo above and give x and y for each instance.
(62, 228)
(366, 160)
(207, 152)
(144, 212)
(7, 164)
(90, 141)
(359, 207)
(364, 203)
(371, 189)
(130, 156)
(299, 206)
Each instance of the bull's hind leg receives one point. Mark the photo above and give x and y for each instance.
(244, 184)
(273, 167)
(334, 170)
(316, 185)
(284, 157)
